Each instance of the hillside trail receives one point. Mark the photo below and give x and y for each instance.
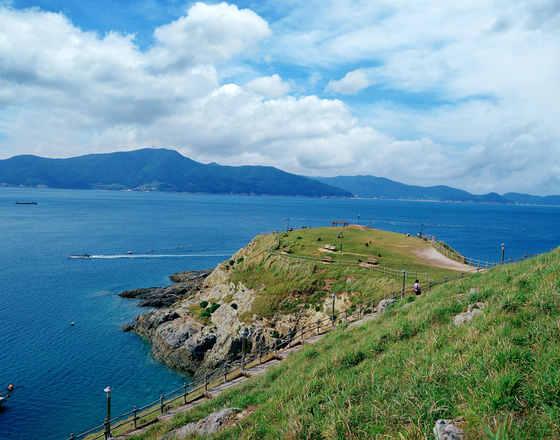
(433, 257)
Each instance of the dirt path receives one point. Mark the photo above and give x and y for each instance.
(437, 259)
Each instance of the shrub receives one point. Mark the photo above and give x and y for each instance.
(234, 306)
(231, 262)
(213, 307)
(203, 304)
(240, 260)
(298, 237)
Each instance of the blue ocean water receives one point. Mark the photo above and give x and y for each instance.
(60, 370)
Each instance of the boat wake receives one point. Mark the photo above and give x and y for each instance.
(109, 257)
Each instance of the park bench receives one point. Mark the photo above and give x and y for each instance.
(287, 250)
(330, 247)
(371, 261)
(327, 260)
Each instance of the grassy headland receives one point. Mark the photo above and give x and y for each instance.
(393, 377)
(289, 285)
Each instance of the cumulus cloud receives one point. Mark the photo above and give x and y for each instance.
(269, 86)
(351, 84)
(478, 104)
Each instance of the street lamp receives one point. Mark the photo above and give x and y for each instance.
(358, 218)
(332, 316)
(341, 237)
(288, 220)
(108, 426)
(503, 250)
(244, 334)
(421, 224)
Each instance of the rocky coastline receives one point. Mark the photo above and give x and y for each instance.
(189, 341)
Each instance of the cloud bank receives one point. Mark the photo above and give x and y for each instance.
(463, 95)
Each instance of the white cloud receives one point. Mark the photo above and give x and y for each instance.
(351, 84)
(475, 87)
(269, 86)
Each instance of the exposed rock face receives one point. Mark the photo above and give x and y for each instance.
(187, 284)
(184, 343)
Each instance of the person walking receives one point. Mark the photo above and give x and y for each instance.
(416, 288)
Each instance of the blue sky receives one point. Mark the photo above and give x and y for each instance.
(421, 92)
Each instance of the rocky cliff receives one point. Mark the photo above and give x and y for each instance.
(188, 337)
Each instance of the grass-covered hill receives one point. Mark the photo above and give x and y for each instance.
(286, 284)
(394, 376)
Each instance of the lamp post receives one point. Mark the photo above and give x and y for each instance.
(332, 316)
(421, 224)
(288, 220)
(108, 426)
(503, 250)
(244, 334)
(341, 237)
(358, 218)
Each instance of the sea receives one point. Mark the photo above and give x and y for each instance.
(61, 341)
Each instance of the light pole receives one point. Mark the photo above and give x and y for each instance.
(332, 316)
(108, 426)
(341, 237)
(288, 220)
(421, 224)
(503, 250)
(244, 334)
(358, 218)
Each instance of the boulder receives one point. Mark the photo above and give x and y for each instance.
(209, 425)
(384, 304)
(448, 430)
(467, 317)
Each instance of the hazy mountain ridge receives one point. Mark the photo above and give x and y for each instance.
(158, 170)
(371, 187)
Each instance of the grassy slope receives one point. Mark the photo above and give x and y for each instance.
(395, 376)
(291, 284)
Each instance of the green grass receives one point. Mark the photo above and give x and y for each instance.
(395, 376)
(288, 285)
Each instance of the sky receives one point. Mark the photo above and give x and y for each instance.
(423, 92)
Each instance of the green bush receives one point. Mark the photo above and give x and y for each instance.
(234, 306)
(240, 260)
(231, 262)
(213, 307)
(203, 304)
(298, 237)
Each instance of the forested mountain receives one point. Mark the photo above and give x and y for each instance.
(158, 170)
(378, 187)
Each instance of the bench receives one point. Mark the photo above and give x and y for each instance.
(327, 260)
(330, 247)
(371, 261)
(287, 250)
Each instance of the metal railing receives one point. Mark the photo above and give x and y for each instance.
(139, 417)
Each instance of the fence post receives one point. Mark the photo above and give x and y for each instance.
(185, 393)
(205, 381)
(446, 278)
(225, 371)
(360, 312)
(317, 327)
(260, 355)
(161, 402)
(135, 418)
(403, 282)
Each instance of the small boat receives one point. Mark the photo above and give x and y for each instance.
(79, 256)
(26, 203)
(3, 400)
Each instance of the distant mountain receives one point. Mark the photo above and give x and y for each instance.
(378, 187)
(158, 170)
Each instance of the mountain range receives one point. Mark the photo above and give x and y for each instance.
(168, 171)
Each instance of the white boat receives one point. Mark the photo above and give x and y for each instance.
(3, 399)
(79, 256)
